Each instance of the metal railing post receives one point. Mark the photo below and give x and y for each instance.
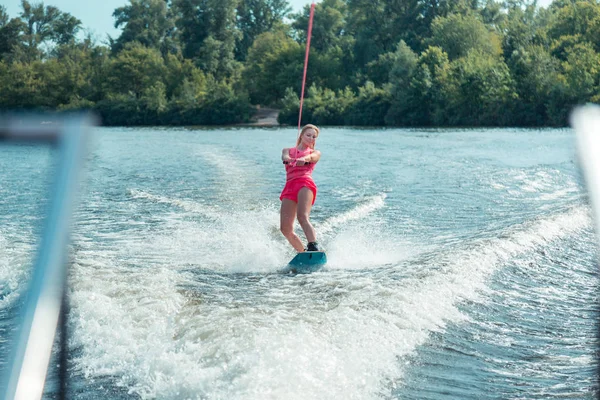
(32, 348)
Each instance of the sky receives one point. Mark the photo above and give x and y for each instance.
(96, 16)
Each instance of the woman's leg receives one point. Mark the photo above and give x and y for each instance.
(287, 216)
(305, 198)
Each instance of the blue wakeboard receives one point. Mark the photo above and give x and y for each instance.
(307, 262)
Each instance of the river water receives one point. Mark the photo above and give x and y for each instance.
(461, 266)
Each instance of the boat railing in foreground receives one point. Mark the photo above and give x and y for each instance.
(26, 370)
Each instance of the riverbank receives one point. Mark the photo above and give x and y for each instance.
(264, 117)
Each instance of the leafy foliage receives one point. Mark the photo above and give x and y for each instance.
(459, 34)
(147, 22)
(375, 62)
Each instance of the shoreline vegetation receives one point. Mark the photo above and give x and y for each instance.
(415, 63)
(264, 116)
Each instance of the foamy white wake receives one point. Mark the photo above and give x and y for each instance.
(329, 335)
(356, 213)
(235, 184)
(250, 241)
(18, 254)
(187, 205)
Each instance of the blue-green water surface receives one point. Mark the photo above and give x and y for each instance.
(461, 265)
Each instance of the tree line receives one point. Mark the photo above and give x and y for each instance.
(372, 62)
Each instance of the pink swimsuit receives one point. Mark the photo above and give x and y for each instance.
(298, 177)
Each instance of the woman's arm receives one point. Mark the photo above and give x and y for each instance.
(285, 155)
(313, 157)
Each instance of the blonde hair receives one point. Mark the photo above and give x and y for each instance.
(305, 127)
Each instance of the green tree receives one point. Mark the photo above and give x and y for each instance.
(84, 69)
(481, 92)
(560, 47)
(11, 34)
(459, 34)
(520, 28)
(535, 72)
(420, 97)
(183, 79)
(492, 14)
(20, 85)
(331, 63)
(322, 106)
(145, 21)
(38, 20)
(44, 24)
(432, 81)
(577, 18)
(207, 29)
(135, 69)
(214, 104)
(255, 17)
(59, 83)
(370, 107)
(582, 72)
(216, 57)
(97, 71)
(290, 107)
(367, 23)
(378, 71)
(380, 24)
(274, 63)
(401, 76)
(4, 17)
(410, 20)
(153, 103)
(65, 29)
(328, 25)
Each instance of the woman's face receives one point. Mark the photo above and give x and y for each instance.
(309, 137)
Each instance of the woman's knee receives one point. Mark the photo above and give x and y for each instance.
(286, 230)
(303, 218)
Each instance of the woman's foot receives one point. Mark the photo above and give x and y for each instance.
(312, 246)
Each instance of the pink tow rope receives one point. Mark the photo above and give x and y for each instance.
(310, 24)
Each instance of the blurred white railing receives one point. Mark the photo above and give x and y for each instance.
(26, 370)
